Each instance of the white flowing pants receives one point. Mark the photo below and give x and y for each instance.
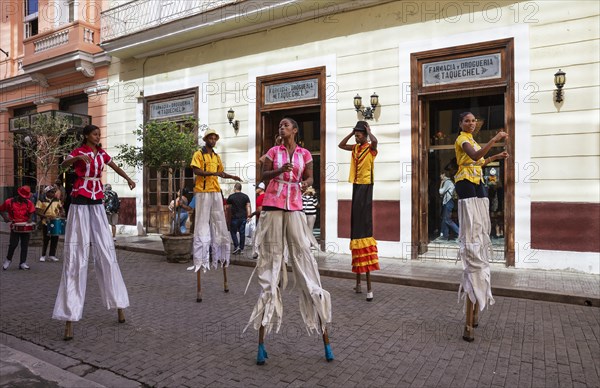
(279, 230)
(88, 235)
(210, 231)
(475, 250)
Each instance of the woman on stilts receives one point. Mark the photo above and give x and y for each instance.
(88, 235)
(289, 168)
(475, 246)
(362, 243)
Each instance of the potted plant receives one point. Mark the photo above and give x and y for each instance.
(45, 138)
(166, 146)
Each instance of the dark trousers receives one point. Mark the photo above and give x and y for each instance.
(14, 241)
(53, 240)
(238, 225)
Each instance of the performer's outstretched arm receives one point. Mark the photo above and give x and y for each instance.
(344, 143)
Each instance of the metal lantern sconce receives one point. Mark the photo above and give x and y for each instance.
(366, 112)
(234, 123)
(559, 80)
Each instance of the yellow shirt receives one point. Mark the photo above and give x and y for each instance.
(362, 164)
(467, 168)
(53, 209)
(209, 163)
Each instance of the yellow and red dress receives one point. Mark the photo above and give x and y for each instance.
(362, 243)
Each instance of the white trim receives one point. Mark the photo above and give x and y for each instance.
(330, 63)
(588, 262)
(520, 33)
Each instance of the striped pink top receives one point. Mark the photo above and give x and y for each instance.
(283, 191)
(88, 183)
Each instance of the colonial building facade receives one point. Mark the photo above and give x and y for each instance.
(422, 63)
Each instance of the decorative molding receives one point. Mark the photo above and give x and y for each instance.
(100, 88)
(85, 67)
(47, 100)
(40, 79)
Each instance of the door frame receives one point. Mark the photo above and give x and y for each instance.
(420, 97)
(263, 110)
(161, 212)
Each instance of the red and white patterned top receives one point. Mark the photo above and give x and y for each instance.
(283, 191)
(88, 183)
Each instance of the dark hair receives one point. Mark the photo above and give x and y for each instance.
(86, 131)
(294, 125)
(238, 186)
(463, 115)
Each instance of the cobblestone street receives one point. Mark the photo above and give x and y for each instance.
(406, 337)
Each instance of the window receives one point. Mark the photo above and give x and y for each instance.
(31, 17)
(66, 11)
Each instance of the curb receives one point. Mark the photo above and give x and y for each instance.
(423, 283)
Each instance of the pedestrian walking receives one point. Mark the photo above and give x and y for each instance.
(241, 211)
(50, 210)
(310, 203)
(112, 204)
(88, 236)
(447, 192)
(18, 211)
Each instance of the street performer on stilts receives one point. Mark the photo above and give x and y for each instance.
(289, 169)
(362, 243)
(88, 236)
(475, 246)
(210, 226)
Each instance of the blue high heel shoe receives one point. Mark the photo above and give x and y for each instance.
(328, 352)
(262, 355)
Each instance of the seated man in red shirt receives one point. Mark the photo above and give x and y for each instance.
(15, 210)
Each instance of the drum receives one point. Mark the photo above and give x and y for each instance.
(56, 227)
(22, 227)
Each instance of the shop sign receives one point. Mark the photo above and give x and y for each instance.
(292, 91)
(172, 108)
(461, 70)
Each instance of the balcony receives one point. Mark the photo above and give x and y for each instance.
(58, 47)
(143, 28)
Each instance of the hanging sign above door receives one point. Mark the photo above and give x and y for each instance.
(462, 70)
(292, 91)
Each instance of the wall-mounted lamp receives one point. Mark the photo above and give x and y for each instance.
(234, 123)
(559, 80)
(366, 112)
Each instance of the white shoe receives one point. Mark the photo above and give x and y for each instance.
(43, 258)
(53, 258)
(6, 264)
(24, 266)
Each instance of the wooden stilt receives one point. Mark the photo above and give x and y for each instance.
(369, 290)
(225, 287)
(68, 331)
(476, 315)
(198, 288)
(468, 334)
(121, 315)
(358, 288)
(328, 352)
(262, 352)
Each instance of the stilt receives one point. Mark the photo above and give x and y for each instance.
(328, 352)
(476, 315)
(262, 352)
(358, 289)
(198, 288)
(121, 315)
(369, 290)
(468, 334)
(68, 331)
(225, 287)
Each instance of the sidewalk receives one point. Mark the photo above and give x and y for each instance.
(552, 286)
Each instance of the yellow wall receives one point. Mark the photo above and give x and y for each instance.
(564, 141)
